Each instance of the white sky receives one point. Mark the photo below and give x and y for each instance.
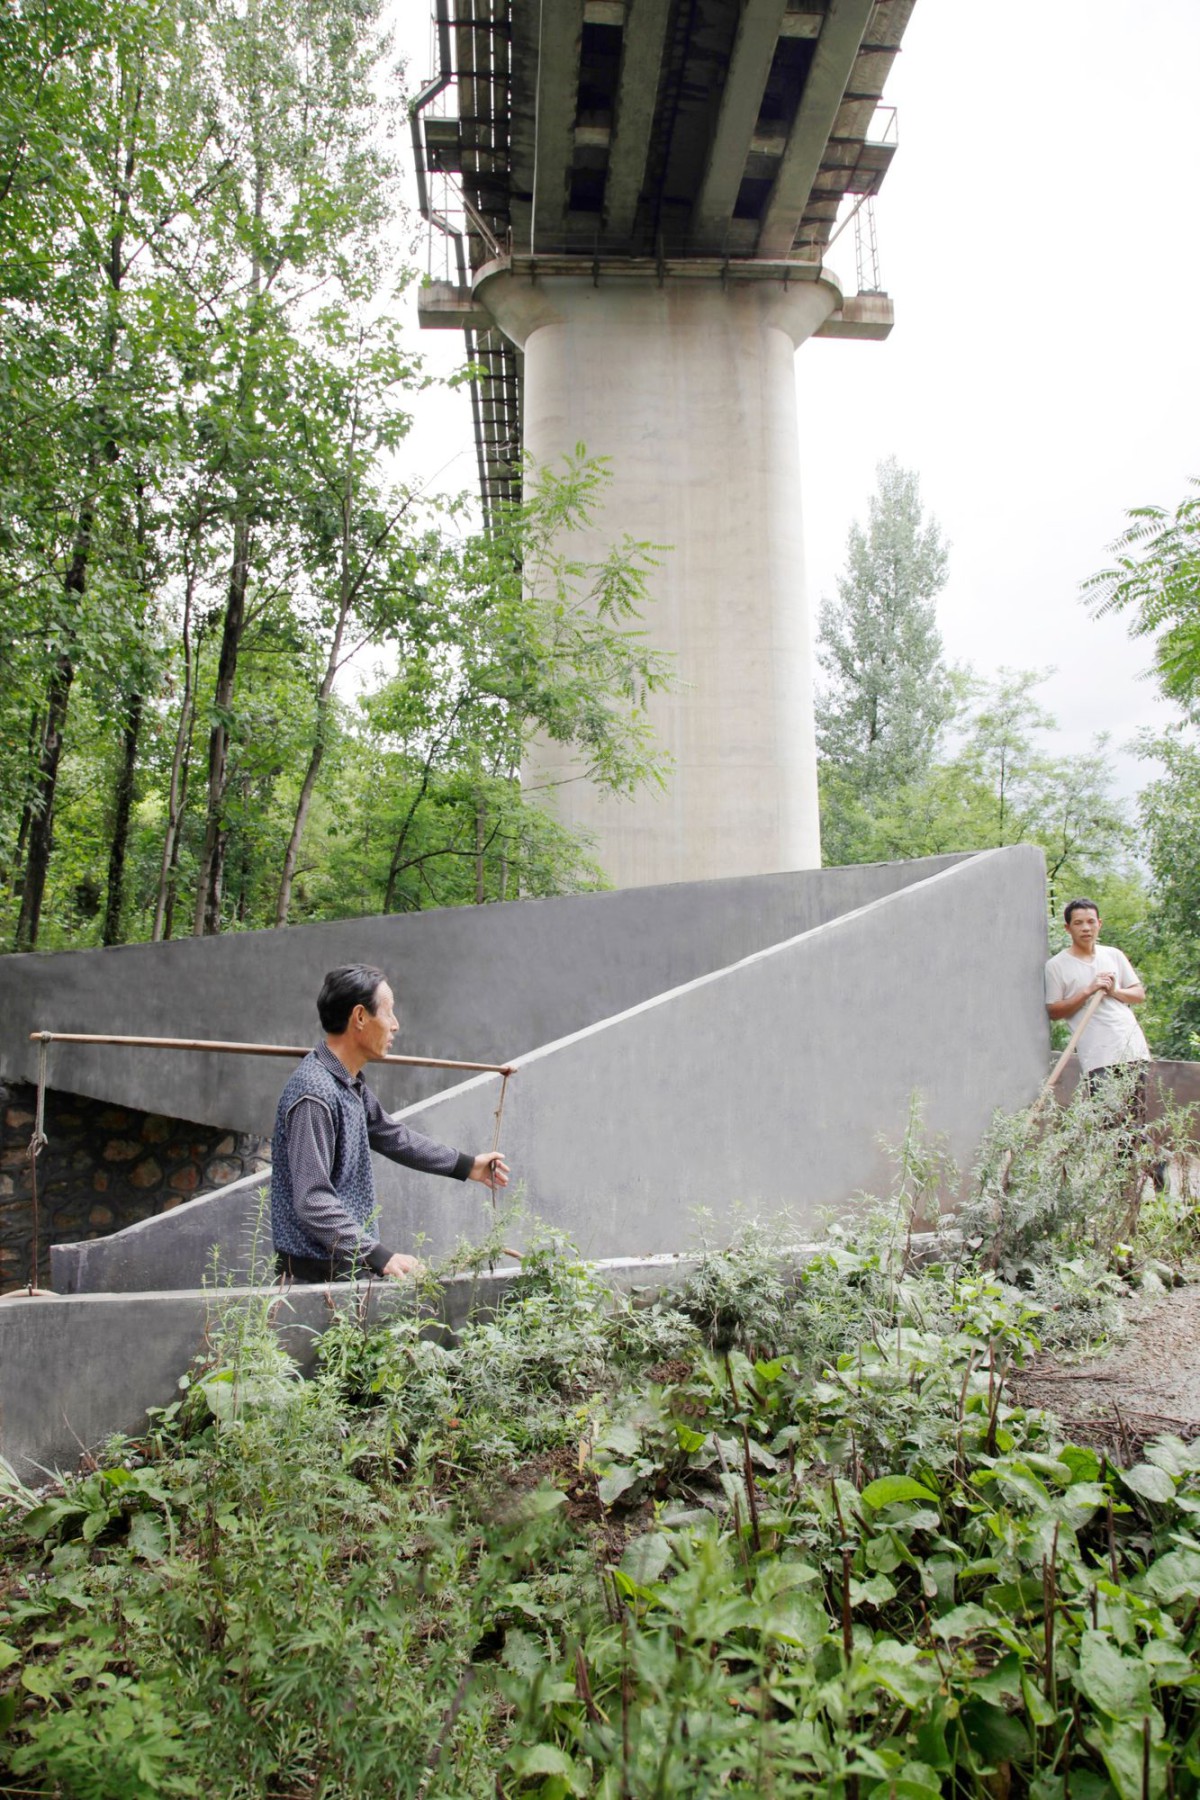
(1037, 233)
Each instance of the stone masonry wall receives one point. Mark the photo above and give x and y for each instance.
(104, 1168)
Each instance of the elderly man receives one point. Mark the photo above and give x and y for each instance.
(328, 1122)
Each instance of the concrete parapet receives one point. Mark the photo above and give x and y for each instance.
(484, 983)
(774, 1083)
(76, 1370)
(770, 1083)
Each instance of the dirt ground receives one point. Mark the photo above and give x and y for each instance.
(1146, 1385)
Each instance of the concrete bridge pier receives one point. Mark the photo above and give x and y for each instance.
(685, 381)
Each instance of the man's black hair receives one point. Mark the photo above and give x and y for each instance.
(343, 990)
(1074, 906)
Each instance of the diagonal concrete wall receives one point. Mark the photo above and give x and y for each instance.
(766, 1084)
(484, 983)
(771, 1083)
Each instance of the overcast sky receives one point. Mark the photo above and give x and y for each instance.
(1037, 234)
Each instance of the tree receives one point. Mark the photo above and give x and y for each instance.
(202, 386)
(361, 561)
(96, 166)
(887, 692)
(310, 190)
(1169, 810)
(1156, 579)
(515, 637)
(1002, 784)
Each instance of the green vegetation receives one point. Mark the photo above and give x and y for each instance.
(781, 1529)
(204, 395)
(1155, 582)
(919, 759)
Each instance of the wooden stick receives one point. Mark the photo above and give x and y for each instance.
(149, 1043)
(1064, 1059)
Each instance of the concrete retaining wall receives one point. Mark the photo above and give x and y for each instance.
(483, 983)
(764, 1085)
(74, 1371)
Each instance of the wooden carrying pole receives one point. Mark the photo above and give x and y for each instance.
(1078, 1032)
(223, 1049)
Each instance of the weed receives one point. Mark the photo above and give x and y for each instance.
(783, 1529)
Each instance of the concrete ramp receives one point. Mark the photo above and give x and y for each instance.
(772, 1081)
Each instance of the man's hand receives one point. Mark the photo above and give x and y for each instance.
(400, 1266)
(490, 1168)
(1104, 983)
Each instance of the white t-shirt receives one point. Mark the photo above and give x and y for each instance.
(1112, 1034)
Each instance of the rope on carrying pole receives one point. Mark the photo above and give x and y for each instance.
(37, 1144)
(499, 1115)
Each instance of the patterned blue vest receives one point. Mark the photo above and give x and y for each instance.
(351, 1174)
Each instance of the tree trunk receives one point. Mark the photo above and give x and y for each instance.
(35, 738)
(111, 933)
(177, 788)
(168, 925)
(283, 901)
(206, 921)
(480, 894)
(41, 822)
(41, 828)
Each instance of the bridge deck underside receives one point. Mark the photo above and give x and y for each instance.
(669, 126)
(654, 128)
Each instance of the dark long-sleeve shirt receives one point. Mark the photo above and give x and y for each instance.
(328, 1208)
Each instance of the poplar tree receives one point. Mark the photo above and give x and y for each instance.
(887, 692)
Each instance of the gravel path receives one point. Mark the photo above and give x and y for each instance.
(1148, 1384)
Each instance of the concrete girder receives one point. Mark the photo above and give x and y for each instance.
(753, 51)
(560, 43)
(833, 60)
(637, 93)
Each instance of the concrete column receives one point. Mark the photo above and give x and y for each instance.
(687, 386)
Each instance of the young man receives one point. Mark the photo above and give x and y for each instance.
(328, 1122)
(1112, 1035)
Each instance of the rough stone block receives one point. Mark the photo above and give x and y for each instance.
(119, 1150)
(185, 1181)
(6, 1184)
(156, 1129)
(221, 1173)
(226, 1147)
(100, 1182)
(147, 1174)
(113, 1118)
(100, 1215)
(16, 1116)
